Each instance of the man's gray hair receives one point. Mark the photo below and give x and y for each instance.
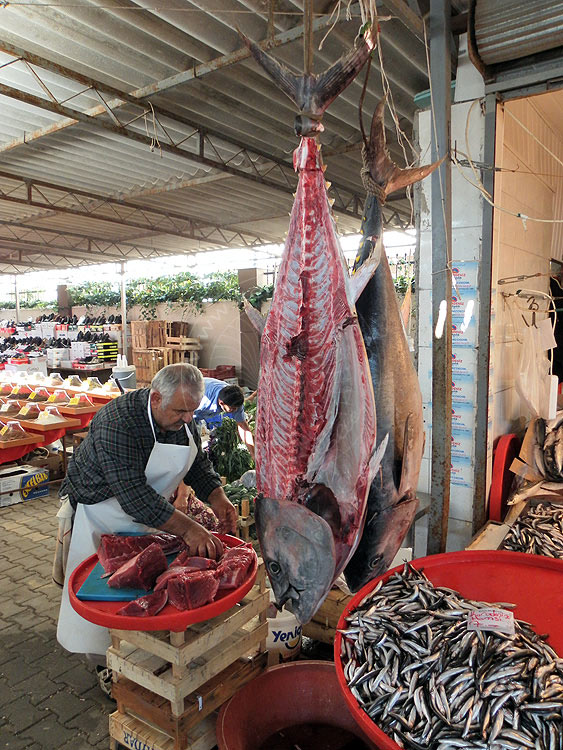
(170, 378)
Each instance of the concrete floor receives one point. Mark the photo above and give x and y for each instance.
(49, 699)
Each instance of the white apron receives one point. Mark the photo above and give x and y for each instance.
(165, 469)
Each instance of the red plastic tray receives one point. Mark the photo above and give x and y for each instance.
(169, 618)
(532, 582)
(506, 450)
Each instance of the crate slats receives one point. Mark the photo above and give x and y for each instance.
(136, 734)
(137, 701)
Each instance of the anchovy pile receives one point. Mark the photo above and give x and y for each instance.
(548, 448)
(539, 532)
(431, 684)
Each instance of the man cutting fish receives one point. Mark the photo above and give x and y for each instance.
(139, 448)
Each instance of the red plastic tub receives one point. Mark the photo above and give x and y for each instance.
(303, 692)
(533, 583)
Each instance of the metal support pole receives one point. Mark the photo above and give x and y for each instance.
(17, 295)
(440, 77)
(123, 311)
(484, 321)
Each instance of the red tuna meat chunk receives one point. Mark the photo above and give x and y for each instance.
(145, 606)
(192, 590)
(173, 572)
(141, 571)
(233, 570)
(114, 550)
(198, 563)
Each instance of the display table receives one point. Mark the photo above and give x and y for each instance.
(11, 450)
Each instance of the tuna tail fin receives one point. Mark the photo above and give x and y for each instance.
(279, 73)
(311, 93)
(382, 169)
(333, 81)
(255, 316)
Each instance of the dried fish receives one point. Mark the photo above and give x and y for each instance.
(428, 682)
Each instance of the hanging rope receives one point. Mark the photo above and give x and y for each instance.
(370, 185)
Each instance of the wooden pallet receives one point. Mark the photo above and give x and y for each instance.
(137, 734)
(183, 342)
(172, 356)
(175, 665)
(323, 625)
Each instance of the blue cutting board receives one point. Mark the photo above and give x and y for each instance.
(96, 589)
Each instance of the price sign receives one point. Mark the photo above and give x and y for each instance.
(497, 620)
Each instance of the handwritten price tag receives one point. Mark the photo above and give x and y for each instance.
(498, 620)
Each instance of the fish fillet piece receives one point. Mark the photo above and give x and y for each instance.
(140, 571)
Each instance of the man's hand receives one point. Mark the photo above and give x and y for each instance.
(183, 495)
(224, 510)
(202, 542)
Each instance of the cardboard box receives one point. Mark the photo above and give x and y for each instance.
(21, 483)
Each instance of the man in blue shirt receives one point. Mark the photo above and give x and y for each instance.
(223, 400)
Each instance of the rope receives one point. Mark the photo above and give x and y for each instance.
(370, 185)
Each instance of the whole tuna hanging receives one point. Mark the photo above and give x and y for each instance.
(315, 422)
(392, 501)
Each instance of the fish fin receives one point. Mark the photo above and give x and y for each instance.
(411, 463)
(315, 98)
(255, 316)
(382, 169)
(281, 75)
(361, 276)
(333, 81)
(377, 458)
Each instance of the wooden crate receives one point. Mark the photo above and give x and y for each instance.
(323, 625)
(148, 362)
(175, 665)
(245, 521)
(184, 343)
(134, 700)
(178, 328)
(132, 732)
(148, 334)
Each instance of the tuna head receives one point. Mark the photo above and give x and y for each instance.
(298, 550)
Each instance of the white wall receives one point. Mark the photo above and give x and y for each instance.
(534, 189)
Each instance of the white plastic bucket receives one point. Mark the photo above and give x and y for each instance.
(284, 635)
(127, 375)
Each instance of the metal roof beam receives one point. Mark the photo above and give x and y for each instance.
(345, 196)
(38, 193)
(407, 16)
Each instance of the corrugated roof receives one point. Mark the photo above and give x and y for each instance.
(197, 154)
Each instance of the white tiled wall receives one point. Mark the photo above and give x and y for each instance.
(519, 247)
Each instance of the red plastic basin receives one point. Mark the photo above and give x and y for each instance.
(532, 582)
(302, 692)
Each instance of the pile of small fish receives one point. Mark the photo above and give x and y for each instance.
(539, 532)
(548, 448)
(428, 682)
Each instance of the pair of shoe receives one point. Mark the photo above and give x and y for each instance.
(104, 675)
